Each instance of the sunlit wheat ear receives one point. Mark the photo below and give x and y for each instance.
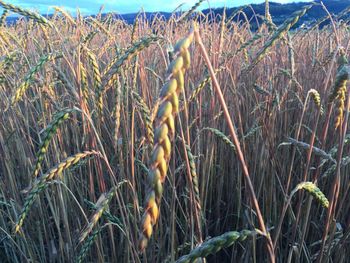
(316, 98)
(4, 38)
(278, 34)
(135, 28)
(117, 109)
(339, 90)
(267, 11)
(163, 134)
(67, 16)
(244, 50)
(49, 132)
(32, 15)
(41, 183)
(29, 78)
(339, 106)
(96, 77)
(312, 189)
(214, 245)
(342, 75)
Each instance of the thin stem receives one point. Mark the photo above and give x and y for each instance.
(237, 145)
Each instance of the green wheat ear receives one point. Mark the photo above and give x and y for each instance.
(32, 15)
(86, 246)
(101, 205)
(214, 245)
(49, 132)
(278, 34)
(222, 136)
(3, 18)
(30, 76)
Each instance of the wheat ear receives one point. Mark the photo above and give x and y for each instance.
(190, 12)
(101, 206)
(3, 18)
(86, 40)
(215, 244)
(314, 191)
(36, 17)
(222, 136)
(112, 70)
(316, 98)
(146, 115)
(194, 177)
(164, 131)
(86, 246)
(41, 183)
(49, 132)
(84, 82)
(29, 78)
(278, 34)
(339, 90)
(67, 16)
(97, 78)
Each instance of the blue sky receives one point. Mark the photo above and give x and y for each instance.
(127, 6)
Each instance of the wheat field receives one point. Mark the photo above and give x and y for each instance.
(189, 139)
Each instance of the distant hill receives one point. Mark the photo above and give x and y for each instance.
(279, 12)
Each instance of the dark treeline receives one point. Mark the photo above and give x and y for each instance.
(279, 12)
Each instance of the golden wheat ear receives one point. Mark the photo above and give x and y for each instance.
(163, 134)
